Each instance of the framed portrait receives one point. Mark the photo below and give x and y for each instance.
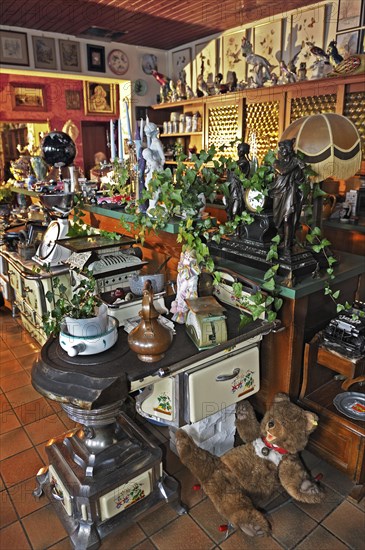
(26, 97)
(99, 98)
(44, 50)
(349, 14)
(206, 59)
(307, 26)
(267, 41)
(232, 58)
(95, 58)
(347, 43)
(14, 48)
(181, 65)
(70, 55)
(73, 99)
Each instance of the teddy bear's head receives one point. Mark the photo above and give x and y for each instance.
(286, 425)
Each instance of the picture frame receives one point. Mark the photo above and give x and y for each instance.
(182, 66)
(348, 43)
(267, 41)
(349, 14)
(206, 58)
(14, 48)
(95, 58)
(99, 98)
(28, 97)
(307, 26)
(70, 59)
(73, 100)
(232, 58)
(44, 51)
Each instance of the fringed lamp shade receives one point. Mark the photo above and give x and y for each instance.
(330, 143)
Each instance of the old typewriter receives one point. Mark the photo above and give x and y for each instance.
(346, 332)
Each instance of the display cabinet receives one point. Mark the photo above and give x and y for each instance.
(266, 112)
(182, 123)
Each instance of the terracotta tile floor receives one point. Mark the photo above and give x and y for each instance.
(28, 420)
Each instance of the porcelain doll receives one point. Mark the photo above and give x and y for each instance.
(187, 285)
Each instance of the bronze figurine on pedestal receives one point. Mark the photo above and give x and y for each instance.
(286, 193)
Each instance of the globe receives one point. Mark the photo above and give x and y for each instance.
(58, 149)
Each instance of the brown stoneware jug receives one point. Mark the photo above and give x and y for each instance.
(150, 340)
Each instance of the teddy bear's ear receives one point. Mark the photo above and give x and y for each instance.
(312, 421)
(279, 397)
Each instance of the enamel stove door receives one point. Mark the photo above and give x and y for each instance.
(213, 388)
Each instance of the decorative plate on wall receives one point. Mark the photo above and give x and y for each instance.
(140, 86)
(118, 62)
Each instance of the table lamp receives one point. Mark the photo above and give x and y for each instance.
(330, 144)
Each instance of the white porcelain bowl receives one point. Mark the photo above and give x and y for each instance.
(89, 345)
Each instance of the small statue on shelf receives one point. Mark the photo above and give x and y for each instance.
(154, 157)
(332, 51)
(302, 71)
(286, 193)
(261, 68)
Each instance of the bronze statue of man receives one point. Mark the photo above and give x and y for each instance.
(286, 192)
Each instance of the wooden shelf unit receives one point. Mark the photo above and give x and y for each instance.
(267, 111)
(338, 439)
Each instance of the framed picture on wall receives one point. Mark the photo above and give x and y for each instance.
(73, 99)
(70, 55)
(27, 97)
(267, 41)
(362, 42)
(307, 26)
(95, 58)
(14, 48)
(206, 59)
(181, 66)
(349, 14)
(44, 50)
(232, 58)
(347, 43)
(99, 98)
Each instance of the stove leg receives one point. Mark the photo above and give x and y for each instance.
(85, 537)
(41, 480)
(169, 494)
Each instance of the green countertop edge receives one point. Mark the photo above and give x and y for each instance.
(349, 265)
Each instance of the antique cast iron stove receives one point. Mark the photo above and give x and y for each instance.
(106, 473)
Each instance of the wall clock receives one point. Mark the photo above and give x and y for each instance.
(118, 62)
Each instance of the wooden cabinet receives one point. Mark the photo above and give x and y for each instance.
(182, 123)
(262, 114)
(338, 439)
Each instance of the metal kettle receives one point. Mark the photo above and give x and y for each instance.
(150, 339)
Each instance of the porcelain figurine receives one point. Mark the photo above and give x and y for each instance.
(154, 156)
(187, 285)
(332, 51)
(261, 68)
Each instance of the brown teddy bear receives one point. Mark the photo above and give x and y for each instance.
(239, 479)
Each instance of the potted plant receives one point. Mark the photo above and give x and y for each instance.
(82, 309)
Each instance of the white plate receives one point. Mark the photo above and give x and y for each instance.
(346, 403)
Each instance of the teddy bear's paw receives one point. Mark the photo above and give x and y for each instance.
(243, 410)
(184, 444)
(254, 530)
(312, 491)
(309, 487)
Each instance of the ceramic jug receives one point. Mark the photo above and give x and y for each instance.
(329, 203)
(150, 339)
